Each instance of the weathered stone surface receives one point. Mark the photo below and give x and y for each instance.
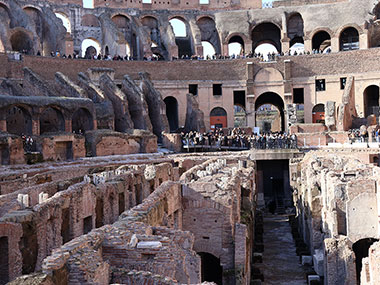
(330, 115)
(69, 88)
(194, 116)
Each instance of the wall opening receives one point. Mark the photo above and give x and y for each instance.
(236, 46)
(211, 270)
(90, 48)
(87, 224)
(172, 112)
(65, 21)
(269, 109)
(138, 194)
(318, 113)
(28, 247)
(295, 29)
(82, 121)
(218, 118)
(182, 37)
(19, 121)
(209, 34)
(208, 49)
(65, 226)
(321, 41)
(361, 250)
(266, 33)
(371, 101)
(99, 213)
(4, 260)
(21, 42)
(193, 89)
(240, 118)
(349, 39)
(121, 203)
(51, 120)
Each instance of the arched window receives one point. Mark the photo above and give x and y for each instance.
(321, 41)
(266, 33)
(179, 27)
(318, 113)
(209, 33)
(89, 20)
(371, 100)
(19, 121)
(65, 21)
(172, 112)
(218, 118)
(82, 121)
(90, 48)
(349, 39)
(235, 46)
(270, 116)
(121, 21)
(51, 120)
(21, 42)
(295, 29)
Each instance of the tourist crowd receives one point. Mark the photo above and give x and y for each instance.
(269, 57)
(239, 139)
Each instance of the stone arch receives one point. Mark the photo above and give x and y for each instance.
(157, 47)
(376, 12)
(51, 120)
(82, 121)
(361, 250)
(121, 21)
(321, 39)
(268, 74)
(295, 27)
(266, 32)
(371, 100)
(211, 270)
(5, 12)
(65, 20)
(349, 39)
(90, 20)
(172, 112)
(218, 117)
(35, 15)
(21, 41)
(182, 40)
(90, 47)
(209, 32)
(272, 98)
(18, 120)
(318, 113)
(234, 41)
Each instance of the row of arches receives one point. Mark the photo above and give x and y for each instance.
(19, 120)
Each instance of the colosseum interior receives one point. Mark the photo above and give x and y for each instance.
(189, 142)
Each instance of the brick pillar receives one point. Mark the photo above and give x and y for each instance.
(68, 126)
(36, 126)
(308, 45)
(335, 44)
(364, 40)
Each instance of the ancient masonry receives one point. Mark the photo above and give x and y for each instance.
(87, 195)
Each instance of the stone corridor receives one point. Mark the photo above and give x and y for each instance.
(280, 264)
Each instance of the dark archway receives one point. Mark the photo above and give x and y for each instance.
(236, 40)
(211, 270)
(295, 29)
(21, 42)
(51, 120)
(90, 52)
(361, 249)
(321, 41)
(209, 32)
(182, 37)
(218, 118)
(172, 112)
(371, 100)
(19, 121)
(82, 121)
(318, 113)
(271, 98)
(349, 39)
(266, 33)
(121, 21)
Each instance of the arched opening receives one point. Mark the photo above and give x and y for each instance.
(4, 14)
(51, 120)
(90, 48)
(295, 29)
(265, 50)
(182, 37)
(121, 21)
(235, 46)
(90, 20)
(209, 33)
(297, 48)
(21, 42)
(321, 41)
(19, 121)
(82, 121)
(349, 39)
(172, 112)
(266, 33)
(361, 250)
(65, 21)
(270, 116)
(89, 4)
(157, 47)
(218, 118)
(208, 49)
(211, 270)
(318, 114)
(376, 12)
(240, 116)
(35, 15)
(371, 100)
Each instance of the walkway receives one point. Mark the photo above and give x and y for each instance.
(280, 263)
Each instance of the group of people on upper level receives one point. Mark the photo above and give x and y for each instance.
(238, 138)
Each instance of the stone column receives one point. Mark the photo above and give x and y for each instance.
(364, 40)
(308, 44)
(335, 44)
